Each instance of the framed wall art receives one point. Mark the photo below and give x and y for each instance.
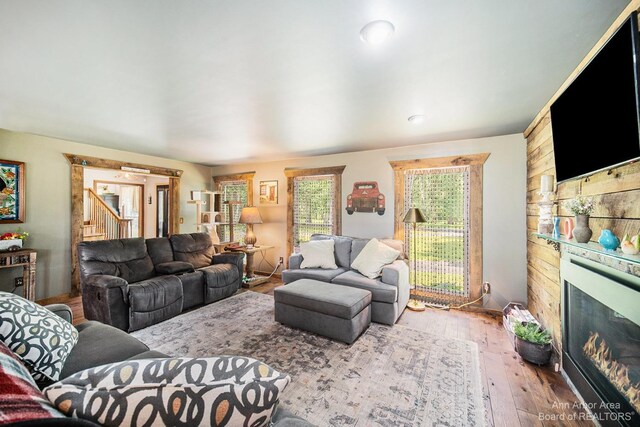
(268, 192)
(12, 198)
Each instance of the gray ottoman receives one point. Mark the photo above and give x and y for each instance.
(339, 312)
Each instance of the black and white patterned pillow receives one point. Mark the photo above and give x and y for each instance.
(215, 391)
(40, 338)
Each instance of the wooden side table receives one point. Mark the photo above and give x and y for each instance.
(25, 258)
(249, 268)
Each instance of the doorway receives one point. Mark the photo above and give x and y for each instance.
(162, 211)
(127, 200)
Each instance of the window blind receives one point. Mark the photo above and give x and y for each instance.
(439, 250)
(314, 204)
(233, 191)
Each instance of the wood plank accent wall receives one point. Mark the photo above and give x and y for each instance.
(616, 193)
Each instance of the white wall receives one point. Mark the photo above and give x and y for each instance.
(48, 204)
(504, 198)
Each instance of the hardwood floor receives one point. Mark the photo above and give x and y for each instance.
(516, 393)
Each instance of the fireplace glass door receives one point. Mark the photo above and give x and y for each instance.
(605, 346)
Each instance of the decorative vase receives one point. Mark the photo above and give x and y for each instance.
(568, 228)
(556, 227)
(582, 232)
(608, 240)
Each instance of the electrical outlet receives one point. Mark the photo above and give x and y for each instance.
(281, 261)
(486, 287)
(19, 281)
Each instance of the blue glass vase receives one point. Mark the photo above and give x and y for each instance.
(556, 227)
(608, 240)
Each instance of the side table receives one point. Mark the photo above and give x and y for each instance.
(249, 268)
(25, 258)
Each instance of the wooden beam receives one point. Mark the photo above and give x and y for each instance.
(95, 162)
(634, 5)
(77, 222)
(330, 170)
(475, 232)
(174, 205)
(243, 176)
(440, 162)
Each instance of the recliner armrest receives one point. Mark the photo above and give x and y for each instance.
(105, 281)
(61, 310)
(295, 261)
(106, 299)
(395, 273)
(235, 258)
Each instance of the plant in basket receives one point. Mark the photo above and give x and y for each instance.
(532, 342)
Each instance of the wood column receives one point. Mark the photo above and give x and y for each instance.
(77, 221)
(174, 205)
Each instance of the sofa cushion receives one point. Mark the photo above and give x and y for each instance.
(342, 249)
(192, 289)
(125, 258)
(318, 254)
(373, 257)
(91, 350)
(220, 275)
(41, 339)
(20, 397)
(160, 250)
(321, 274)
(224, 390)
(195, 248)
(381, 292)
(340, 301)
(154, 300)
(358, 244)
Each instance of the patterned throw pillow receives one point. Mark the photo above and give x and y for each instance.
(20, 398)
(215, 391)
(41, 339)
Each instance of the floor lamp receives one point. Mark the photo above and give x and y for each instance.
(414, 216)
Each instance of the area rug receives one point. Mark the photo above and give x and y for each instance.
(391, 376)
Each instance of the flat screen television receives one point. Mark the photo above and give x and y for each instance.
(595, 121)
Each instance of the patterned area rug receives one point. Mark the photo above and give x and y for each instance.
(391, 376)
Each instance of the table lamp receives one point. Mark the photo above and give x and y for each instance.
(249, 216)
(414, 216)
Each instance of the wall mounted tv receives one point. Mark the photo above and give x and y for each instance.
(595, 121)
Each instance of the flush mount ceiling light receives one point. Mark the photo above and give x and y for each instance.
(376, 32)
(417, 118)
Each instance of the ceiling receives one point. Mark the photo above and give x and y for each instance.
(218, 82)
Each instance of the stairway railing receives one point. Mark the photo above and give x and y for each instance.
(105, 219)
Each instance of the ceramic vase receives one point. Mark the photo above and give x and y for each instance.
(568, 228)
(582, 232)
(608, 240)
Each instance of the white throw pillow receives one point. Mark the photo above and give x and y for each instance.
(373, 257)
(318, 254)
(41, 339)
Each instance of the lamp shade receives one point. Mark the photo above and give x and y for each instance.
(413, 216)
(250, 215)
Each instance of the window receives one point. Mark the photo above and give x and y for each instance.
(314, 203)
(445, 252)
(236, 194)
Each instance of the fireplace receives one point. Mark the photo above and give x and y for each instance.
(601, 340)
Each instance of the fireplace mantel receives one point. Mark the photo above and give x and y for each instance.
(617, 259)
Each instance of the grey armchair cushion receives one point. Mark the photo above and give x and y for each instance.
(321, 274)
(159, 249)
(342, 248)
(195, 248)
(234, 258)
(62, 310)
(295, 261)
(174, 267)
(154, 300)
(99, 344)
(125, 258)
(381, 292)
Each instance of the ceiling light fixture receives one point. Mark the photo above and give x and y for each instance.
(415, 119)
(376, 32)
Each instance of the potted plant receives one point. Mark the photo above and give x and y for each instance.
(12, 241)
(532, 342)
(581, 207)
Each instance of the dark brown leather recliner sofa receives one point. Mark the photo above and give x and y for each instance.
(135, 283)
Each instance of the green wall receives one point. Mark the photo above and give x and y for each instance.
(48, 204)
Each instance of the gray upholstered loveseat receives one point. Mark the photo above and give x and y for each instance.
(133, 283)
(390, 291)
